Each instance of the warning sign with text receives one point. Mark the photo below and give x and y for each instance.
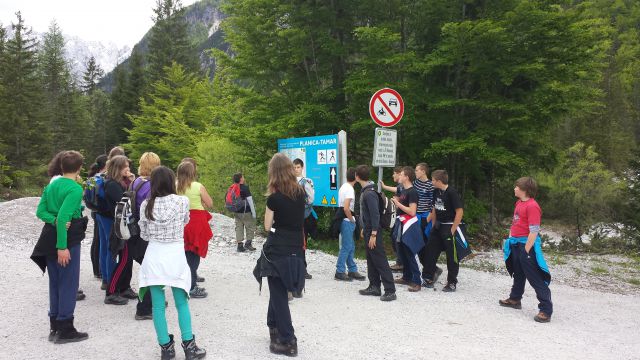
(384, 147)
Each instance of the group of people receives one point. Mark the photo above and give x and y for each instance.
(174, 231)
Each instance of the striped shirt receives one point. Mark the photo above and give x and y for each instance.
(425, 195)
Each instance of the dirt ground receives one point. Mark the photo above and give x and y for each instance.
(332, 321)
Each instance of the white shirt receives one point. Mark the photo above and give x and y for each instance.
(347, 192)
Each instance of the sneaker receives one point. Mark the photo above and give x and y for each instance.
(199, 278)
(297, 294)
(428, 283)
(396, 267)
(249, 247)
(342, 277)
(388, 296)
(115, 299)
(414, 287)
(240, 248)
(307, 275)
(371, 290)
(356, 276)
(198, 293)
(144, 317)
(542, 317)
(450, 287)
(401, 281)
(129, 294)
(514, 304)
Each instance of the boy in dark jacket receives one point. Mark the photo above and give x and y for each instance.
(378, 269)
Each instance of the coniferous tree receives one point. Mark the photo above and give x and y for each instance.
(92, 74)
(169, 40)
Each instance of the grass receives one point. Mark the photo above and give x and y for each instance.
(634, 281)
(596, 270)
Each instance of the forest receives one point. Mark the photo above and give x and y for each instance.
(493, 90)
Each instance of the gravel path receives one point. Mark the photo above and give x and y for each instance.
(332, 321)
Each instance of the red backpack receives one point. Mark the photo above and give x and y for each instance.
(233, 201)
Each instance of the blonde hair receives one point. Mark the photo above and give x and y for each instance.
(282, 177)
(148, 162)
(186, 174)
(115, 165)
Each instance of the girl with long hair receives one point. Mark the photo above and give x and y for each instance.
(282, 258)
(197, 233)
(162, 219)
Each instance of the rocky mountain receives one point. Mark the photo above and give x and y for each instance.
(203, 18)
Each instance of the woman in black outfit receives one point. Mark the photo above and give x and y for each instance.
(96, 168)
(282, 258)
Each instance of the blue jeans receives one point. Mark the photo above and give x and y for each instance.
(107, 263)
(63, 285)
(347, 248)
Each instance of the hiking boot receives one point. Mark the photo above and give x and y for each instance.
(388, 296)
(115, 299)
(514, 304)
(450, 287)
(241, 247)
(249, 247)
(356, 275)
(401, 281)
(54, 328)
(192, 351)
(289, 349)
(307, 275)
(542, 317)
(342, 277)
(198, 293)
(414, 287)
(129, 294)
(168, 350)
(199, 278)
(144, 317)
(371, 290)
(396, 267)
(67, 332)
(80, 296)
(273, 334)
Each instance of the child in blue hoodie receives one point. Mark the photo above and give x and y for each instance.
(523, 252)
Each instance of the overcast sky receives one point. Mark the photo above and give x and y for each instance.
(122, 22)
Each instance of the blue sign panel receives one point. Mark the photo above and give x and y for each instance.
(320, 157)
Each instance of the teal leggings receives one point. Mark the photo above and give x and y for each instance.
(160, 319)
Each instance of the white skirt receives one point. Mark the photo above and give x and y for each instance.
(165, 264)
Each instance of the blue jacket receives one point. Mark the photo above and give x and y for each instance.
(410, 233)
(537, 247)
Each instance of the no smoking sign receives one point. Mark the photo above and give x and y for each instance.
(386, 107)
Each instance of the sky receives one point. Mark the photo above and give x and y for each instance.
(123, 22)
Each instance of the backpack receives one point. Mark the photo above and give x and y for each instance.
(387, 210)
(233, 201)
(308, 207)
(125, 223)
(93, 196)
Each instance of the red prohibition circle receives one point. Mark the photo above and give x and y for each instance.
(377, 97)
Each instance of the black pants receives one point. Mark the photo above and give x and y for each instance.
(121, 277)
(395, 247)
(525, 267)
(143, 307)
(441, 240)
(279, 315)
(95, 247)
(378, 270)
(193, 260)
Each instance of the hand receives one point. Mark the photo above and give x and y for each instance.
(64, 257)
(68, 225)
(372, 241)
(361, 234)
(395, 200)
(381, 182)
(453, 231)
(527, 247)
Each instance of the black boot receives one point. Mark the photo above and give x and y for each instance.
(289, 349)
(273, 334)
(67, 332)
(54, 328)
(241, 247)
(192, 351)
(168, 350)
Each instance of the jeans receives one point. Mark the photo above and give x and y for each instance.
(107, 264)
(347, 248)
(63, 285)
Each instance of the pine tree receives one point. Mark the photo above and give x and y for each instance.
(23, 130)
(169, 40)
(92, 74)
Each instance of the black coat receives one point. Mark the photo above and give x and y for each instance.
(46, 246)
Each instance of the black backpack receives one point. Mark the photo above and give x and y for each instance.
(387, 211)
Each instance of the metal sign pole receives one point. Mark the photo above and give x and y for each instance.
(379, 178)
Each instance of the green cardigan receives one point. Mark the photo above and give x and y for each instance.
(60, 202)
